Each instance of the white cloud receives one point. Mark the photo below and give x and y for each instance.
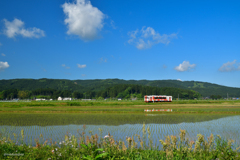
(230, 66)
(179, 80)
(3, 65)
(164, 66)
(146, 38)
(185, 66)
(16, 27)
(82, 19)
(113, 24)
(103, 60)
(81, 66)
(63, 65)
(3, 54)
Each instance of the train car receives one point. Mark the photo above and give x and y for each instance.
(157, 98)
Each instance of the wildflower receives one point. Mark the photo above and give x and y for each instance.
(56, 149)
(53, 151)
(60, 143)
(60, 154)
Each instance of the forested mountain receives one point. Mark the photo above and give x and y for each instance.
(101, 85)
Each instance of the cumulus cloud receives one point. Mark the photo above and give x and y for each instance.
(230, 66)
(82, 19)
(81, 65)
(179, 80)
(16, 27)
(3, 65)
(3, 54)
(147, 37)
(185, 66)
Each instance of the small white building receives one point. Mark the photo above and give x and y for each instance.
(40, 99)
(67, 99)
(60, 98)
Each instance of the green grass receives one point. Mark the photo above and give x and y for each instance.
(183, 106)
(135, 147)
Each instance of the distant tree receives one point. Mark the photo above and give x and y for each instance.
(67, 93)
(23, 94)
(212, 97)
(77, 95)
(1, 95)
(100, 98)
(219, 97)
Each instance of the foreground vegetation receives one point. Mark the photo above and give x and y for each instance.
(135, 147)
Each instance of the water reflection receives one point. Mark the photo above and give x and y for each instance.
(227, 127)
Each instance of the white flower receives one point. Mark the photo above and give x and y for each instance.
(60, 143)
(56, 149)
(107, 136)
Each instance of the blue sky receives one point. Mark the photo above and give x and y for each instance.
(153, 40)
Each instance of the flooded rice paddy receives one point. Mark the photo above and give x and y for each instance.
(56, 126)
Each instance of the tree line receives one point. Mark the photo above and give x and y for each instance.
(124, 91)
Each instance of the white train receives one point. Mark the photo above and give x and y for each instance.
(157, 98)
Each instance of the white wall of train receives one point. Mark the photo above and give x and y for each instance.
(157, 98)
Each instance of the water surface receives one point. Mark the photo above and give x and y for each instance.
(56, 126)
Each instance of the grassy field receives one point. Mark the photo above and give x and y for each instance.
(186, 106)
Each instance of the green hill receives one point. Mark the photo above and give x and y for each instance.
(204, 88)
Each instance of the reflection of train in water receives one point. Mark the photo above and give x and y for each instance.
(157, 98)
